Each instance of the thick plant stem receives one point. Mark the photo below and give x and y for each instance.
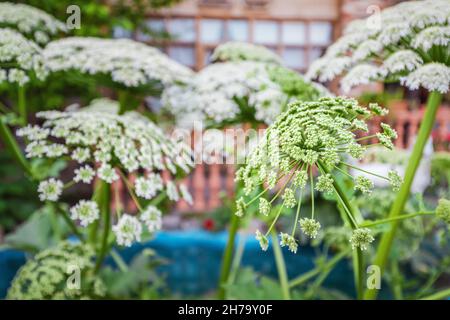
(13, 147)
(103, 201)
(384, 248)
(281, 267)
(122, 97)
(352, 217)
(227, 256)
(444, 294)
(22, 105)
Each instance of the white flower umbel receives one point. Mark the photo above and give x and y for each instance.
(20, 58)
(236, 92)
(127, 230)
(310, 136)
(431, 76)
(85, 211)
(244, 51)
(50, 190)
(152, 218)
(409, 36)
(128, 63)
(30, 21)
(109, 146)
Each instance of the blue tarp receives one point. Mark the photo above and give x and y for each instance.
(194, 259)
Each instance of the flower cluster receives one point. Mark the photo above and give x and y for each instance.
(242, 51)
(125, 62)
(32, 22)
(311, 137)
(409, 44)
(236, 92)
(108, 146)
(46, 275)
(20, 58)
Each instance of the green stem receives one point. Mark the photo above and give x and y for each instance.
(402, 217)
(69, 222)
(119, 261)
(281, 267)
(227, 256)
(438, 295)
(351, 218)
(13, 147)
(122, 97)
(103, 201)
(384, 248)
(21, 105)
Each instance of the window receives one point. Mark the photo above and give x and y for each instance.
(212, 31)
(184, 55)
(266, 32)
(320, 33)
(293, 33)
(294, 58)
(155, 26)
(207, 56)
(119, 32)
(183, 30)
(238, 30)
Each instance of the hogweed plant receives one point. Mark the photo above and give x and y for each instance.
(410, 44)
(107, 147)
(312, 137)
(236, 92)
(122, 64)
(62, 272)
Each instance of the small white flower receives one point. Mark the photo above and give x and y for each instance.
(81, 154)
(152, 218)
(84, 174)
(147, 187)
(86, 211)
(56, 150)
(36, 149)
(50, 189)
(107, 173)
(127, 230)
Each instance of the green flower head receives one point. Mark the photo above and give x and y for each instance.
(311, 142)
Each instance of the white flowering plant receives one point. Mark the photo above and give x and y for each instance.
(108, 147)
(408, 43)
(31, 22)
(122, 64)
(227, 93)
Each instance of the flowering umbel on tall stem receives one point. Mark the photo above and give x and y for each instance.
(312, 137)
(108, 146)
(409, 44)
